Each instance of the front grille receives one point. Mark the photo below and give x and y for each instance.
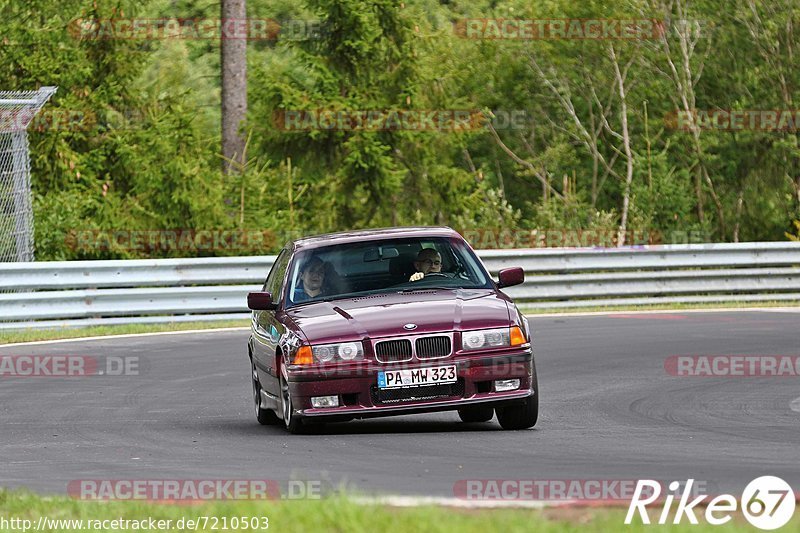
(414, 394)
(393, 351)
(432, 347)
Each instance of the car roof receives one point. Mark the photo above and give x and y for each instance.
(366, 235)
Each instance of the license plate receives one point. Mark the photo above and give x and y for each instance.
(414, 377)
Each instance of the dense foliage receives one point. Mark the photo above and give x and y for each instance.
(597, 149)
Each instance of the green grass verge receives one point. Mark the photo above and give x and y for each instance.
(8, 337)
(338, 514)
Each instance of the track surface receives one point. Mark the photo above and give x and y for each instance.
(609, 411)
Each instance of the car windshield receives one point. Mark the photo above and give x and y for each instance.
(383, 266)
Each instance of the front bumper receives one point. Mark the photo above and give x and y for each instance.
(359, 397)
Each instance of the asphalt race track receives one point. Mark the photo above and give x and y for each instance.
(609, 410)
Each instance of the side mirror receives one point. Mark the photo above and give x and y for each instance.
(511, 276)
(261, 301)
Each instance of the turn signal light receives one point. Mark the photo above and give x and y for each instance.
(304, 356)
(517, 338)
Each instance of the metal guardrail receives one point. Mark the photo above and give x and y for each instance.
(60, 294)
(64, 275)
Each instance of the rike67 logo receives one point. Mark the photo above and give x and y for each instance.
(767, 502)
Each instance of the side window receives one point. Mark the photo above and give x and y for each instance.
(275, 278)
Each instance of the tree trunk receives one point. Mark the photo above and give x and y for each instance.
(626, 145)
(739, 205)
(234, 84)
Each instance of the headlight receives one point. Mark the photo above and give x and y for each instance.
(473, 340)
(346, 351)
(349, 351)
(492, 338)
(323, 354)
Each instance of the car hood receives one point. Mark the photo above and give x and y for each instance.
(383, 315)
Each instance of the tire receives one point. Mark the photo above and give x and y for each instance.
(292, 424)
(522, 416)
(477, 413)
(265, 417)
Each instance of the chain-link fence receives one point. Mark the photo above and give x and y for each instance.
(17, 110)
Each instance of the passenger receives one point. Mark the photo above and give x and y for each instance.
(312, 275)
(428, 261)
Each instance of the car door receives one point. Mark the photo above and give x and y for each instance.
(267, 329)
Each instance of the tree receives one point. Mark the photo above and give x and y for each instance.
(234, 82)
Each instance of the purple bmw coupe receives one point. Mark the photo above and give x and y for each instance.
(389, 322)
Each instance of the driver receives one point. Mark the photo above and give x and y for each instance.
(428, 261)
(313, 276)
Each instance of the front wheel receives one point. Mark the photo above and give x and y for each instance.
(478, 413)
(522, 416)
(290, 421)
